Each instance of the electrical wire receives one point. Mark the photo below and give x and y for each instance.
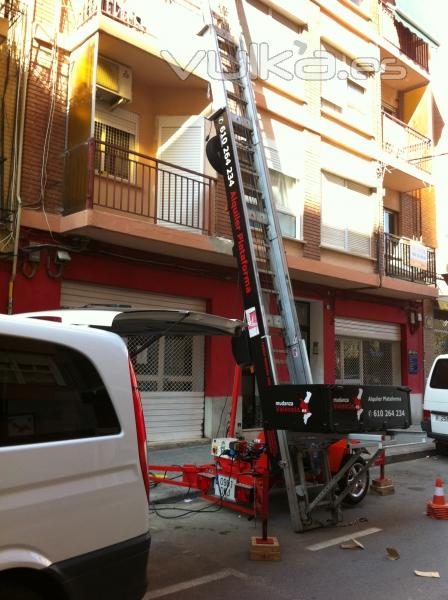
(187, 511)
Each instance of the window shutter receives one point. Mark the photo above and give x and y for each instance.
(342, 198)
(181, 143)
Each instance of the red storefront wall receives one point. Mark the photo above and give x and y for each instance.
(411, 339)
(222, 298)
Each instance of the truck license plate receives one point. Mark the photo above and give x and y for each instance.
(225, 487)
(442, 418)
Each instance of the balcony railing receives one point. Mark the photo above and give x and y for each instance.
(403, 142)
(405, 259)
(403, 38)
(131, 183)
(133, 13)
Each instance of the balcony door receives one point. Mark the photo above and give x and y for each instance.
(180, 195)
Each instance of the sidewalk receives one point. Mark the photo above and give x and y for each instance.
(199, 453)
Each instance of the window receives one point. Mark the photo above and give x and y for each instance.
(345, 88)
(390, 221)
(439, 377)
(116, 136)
(348, 215)
(275, 34)
(170, 364)
(440, 333)
(49, 392)
(367, 361)
(284, 156)
(286, 197)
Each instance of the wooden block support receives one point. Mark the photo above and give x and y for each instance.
(382, 487)
(268, 549)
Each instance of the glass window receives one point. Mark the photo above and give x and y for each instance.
(285, 190)
(112, 157)
(439, 377)
(346, 88)
(367, 361)
(390, 222)
(170, 364)
(49, 392)
(342, 197)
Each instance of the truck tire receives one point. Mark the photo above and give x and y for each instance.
(14, 590)
(360, 489)
(442, 448)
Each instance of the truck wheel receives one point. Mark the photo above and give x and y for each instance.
(442, 448)
(360, 488)
(12, 590)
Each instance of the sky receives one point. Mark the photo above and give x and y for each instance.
(429, 14)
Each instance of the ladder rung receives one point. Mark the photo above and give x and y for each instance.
(244, 147)
(257, 216)
(241, 121)
(235, 97)
(274, 321)
(251, 188)
(226, 35)
(269, 291)
(249, 171)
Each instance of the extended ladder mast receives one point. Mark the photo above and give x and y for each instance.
(276, 344)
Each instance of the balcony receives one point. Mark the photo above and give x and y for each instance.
(401, 34)
(132, 184)
(132, 13)
(405, 143)
(409, 260)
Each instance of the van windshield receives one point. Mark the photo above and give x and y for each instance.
(439, 377)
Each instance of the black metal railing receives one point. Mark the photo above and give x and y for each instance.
(131, 183)
(409, 260)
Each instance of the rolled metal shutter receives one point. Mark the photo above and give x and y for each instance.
(170, 416)
(374, 330)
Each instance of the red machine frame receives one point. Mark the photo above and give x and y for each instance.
(249, 467)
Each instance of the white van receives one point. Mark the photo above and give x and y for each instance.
(435, 406)
(73, 468)
(73, 473)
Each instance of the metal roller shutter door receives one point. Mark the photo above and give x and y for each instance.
(170, 416)
(374, 330)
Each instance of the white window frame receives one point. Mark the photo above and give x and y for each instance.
(298, 216)
(274, 163)
(350, 185)
(338, 103)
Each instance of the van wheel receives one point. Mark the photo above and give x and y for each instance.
(358, 489)
(442, 448)
(17, 591)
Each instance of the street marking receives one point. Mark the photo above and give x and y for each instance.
(186, 585)
(343, 538)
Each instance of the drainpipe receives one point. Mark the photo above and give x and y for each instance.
(15, 257)
(15, 188)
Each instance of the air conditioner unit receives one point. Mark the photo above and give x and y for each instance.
(113, 83)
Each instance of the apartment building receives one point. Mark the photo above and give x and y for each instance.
(120, 205)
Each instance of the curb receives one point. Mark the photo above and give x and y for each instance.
(412, 455)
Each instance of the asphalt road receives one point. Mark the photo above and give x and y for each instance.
(205, 555)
